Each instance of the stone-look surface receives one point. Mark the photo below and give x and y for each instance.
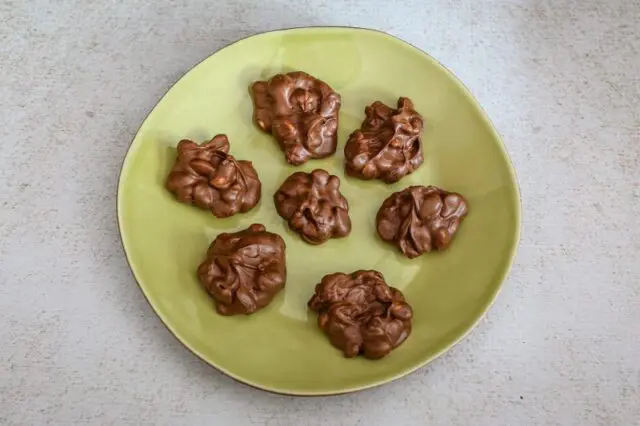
(81, 345)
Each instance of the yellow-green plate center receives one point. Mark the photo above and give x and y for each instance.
(280, 348)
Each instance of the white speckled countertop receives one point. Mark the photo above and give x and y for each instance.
(561, 346)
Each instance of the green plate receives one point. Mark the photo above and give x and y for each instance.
(280, 348)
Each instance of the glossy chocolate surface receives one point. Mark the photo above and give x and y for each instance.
(313, 206)
(420, 219)
(301, 112)
(244, 270)
(387, 146)
(207, 176)
(361, 314)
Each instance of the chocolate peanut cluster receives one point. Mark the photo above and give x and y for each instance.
(420, 219)
(301, 112)
(244, 270)
(313, 206)
(387, 146)
(209, 177)
(361, 314)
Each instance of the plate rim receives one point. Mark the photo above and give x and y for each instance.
(515, 241)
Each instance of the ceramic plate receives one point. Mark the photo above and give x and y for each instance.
(280, 348)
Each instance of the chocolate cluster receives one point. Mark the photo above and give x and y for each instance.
(419, 219)
(244, 270)
(361, 314)
(313, 206)
(387, 146)
(301, 112)
(207, 176)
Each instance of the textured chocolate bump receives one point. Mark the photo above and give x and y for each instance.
(387, 146)
(301, 112)
(207, 176)
(361, 314)
(313, 206)
(420, 219)
(244, 270)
